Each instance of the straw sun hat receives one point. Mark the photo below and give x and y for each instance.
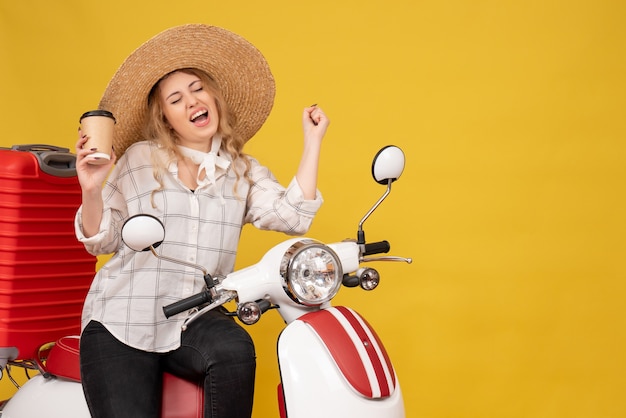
(236, 65)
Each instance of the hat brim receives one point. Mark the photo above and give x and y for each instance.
(235, 64)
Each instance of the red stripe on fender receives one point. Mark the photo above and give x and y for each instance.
(374, 357)
(341, 348)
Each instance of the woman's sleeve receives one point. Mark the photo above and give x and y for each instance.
(108, 238)
(271, 206)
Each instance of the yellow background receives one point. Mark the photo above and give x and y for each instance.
(511, 115)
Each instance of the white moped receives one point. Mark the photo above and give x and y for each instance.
(331, 361)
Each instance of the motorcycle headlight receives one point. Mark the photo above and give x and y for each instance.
(311, 272)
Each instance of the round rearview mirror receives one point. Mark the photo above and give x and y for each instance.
(388, 164)
(140, 232)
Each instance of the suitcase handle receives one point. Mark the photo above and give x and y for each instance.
(53, 160)
(38, 148)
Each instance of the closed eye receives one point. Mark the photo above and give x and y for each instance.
(174, 98)
(196, 86)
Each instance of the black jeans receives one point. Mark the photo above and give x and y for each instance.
(120, 381)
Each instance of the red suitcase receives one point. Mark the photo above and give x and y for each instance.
(44, 271)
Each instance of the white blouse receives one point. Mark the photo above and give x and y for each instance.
(202, 227)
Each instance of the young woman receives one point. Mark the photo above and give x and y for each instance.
(185, 102)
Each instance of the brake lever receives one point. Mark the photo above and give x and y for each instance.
(223, 298)
(386, 258)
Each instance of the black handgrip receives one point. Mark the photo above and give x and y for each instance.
(377, 248)
(186, 304)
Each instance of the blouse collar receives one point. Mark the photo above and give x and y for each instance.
(210, 162)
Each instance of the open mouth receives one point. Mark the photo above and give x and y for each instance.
(200, 117)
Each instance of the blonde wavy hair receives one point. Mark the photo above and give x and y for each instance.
(157, 129)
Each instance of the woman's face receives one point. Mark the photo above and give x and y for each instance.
(190, 109)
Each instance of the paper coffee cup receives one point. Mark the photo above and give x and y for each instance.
(97, 125)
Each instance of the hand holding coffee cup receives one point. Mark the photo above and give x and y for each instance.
(97, 126)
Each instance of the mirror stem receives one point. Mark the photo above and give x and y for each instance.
(361, 233)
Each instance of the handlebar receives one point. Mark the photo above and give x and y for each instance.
(187, 303)
(204, 297)
(377, 248)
